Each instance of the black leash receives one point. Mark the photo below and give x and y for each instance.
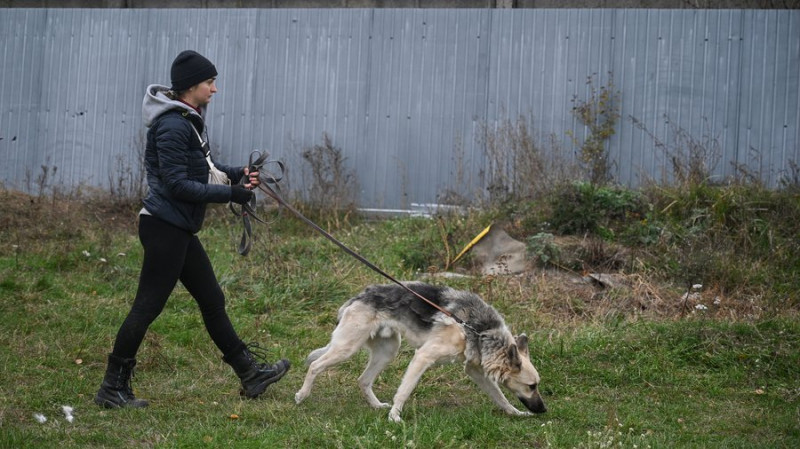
(264, 186)
(245, 211)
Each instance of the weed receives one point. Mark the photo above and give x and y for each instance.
(585, 207)
(543, 248)
(791, 181)
(333, 187)
(126, 181)
(693, 159)
(43, 183)
(520, 168)
(599, 113)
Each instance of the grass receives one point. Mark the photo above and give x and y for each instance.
(614, 375)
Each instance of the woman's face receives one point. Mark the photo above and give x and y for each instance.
(200, 94)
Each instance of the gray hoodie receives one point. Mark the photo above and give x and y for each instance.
(156, 102)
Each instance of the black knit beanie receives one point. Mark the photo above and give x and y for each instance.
(190, 68)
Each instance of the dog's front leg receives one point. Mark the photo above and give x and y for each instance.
(419, 364)
(491, 388)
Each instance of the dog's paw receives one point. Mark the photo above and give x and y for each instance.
(299, 397)
(394, 416)
(380, 405)
(516, 412)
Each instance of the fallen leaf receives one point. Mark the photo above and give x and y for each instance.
(234, 416)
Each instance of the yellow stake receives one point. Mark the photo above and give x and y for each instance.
(472, 243)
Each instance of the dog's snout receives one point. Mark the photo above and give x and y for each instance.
(534, 403)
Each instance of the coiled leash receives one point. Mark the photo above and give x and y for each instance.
(265, 186)
(256, 162)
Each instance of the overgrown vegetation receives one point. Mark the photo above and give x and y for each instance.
(733, 236)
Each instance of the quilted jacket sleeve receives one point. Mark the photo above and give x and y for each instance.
(234, 173)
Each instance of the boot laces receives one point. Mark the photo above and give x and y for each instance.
(129, 384)
(258, 355)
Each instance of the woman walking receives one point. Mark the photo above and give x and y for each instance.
(174, 210)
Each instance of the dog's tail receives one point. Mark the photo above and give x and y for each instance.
(315, 354)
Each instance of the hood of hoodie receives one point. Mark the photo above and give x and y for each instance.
(156, 103)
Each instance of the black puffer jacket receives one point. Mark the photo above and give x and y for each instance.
(177, 171)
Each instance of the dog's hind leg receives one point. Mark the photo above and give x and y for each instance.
(350, 335)
(382, 350)
(492, 389)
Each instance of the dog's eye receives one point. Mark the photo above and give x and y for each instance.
(533, 386)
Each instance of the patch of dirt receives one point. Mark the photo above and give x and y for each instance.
(32, 218)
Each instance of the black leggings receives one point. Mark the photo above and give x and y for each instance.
(172, 254)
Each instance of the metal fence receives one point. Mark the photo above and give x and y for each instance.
(406, 94)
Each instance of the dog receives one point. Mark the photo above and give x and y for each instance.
(376, 318)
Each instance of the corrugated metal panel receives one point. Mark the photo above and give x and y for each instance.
(403, 92)
(682, 72)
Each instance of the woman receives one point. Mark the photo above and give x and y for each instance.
(174, 209)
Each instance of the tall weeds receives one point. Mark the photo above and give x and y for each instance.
(522, 166)
(332, 187)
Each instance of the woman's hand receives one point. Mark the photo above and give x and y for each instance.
(240, 194)
(252, 177)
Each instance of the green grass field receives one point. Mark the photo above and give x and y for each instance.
(610, 377)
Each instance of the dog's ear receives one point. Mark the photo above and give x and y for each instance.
(513, 356)
(522, 343)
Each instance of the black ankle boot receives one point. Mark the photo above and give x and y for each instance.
(116, 391)
(255, 376)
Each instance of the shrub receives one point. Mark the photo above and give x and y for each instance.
(599, 114)
(333, 187)
(542, 247)
(586, 208)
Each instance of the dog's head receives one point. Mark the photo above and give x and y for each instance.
(521, 377)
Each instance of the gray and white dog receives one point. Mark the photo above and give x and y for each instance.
(377, 317)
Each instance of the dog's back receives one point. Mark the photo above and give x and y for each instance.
(398, 304)
(396, 310)
(403, 306)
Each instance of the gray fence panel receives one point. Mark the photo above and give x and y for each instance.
(679, 71)
(405, 93)
(768, 130)
(21, 101)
